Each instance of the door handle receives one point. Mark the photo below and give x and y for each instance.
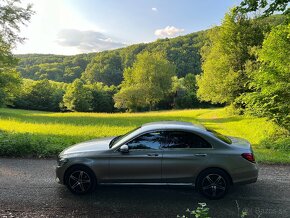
(200, 155)
(152, 155)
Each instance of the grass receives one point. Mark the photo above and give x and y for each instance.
(41, 134)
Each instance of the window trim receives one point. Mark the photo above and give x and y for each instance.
(191, 132)
(144, 133)
(161, 148)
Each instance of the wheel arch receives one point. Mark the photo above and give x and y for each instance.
(213, 168)
(75, 166)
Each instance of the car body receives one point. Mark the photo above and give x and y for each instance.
(165, 152)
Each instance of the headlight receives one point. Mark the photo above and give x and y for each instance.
(61, 161)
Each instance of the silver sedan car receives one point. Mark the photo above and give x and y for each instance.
(166, 152)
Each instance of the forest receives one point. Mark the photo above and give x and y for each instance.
(243, 63)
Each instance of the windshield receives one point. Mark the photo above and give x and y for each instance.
(220, 136)
(120, 137)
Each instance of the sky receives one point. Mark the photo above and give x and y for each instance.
(70, 27)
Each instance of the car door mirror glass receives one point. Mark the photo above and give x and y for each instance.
(124, 149)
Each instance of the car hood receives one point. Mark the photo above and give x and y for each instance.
(88, 146)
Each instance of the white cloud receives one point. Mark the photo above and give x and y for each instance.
(154, 9)
(50, 19)
(169, 31)
(87, 41)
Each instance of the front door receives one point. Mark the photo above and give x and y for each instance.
(143, 161)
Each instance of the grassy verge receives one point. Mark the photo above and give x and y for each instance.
(42, 134)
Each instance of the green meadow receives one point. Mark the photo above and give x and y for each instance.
(44, 134)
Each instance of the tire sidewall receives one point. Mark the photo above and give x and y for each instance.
(88, 171)
(213, 171)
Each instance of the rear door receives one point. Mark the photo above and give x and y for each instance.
(184, 153)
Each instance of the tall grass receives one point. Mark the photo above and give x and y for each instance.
(35, 133)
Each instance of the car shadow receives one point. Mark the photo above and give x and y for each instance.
(149, 201)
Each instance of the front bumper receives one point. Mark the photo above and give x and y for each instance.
(59, 171)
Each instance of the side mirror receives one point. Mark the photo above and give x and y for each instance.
(124, 149)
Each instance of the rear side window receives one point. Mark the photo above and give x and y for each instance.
(180, 139)
(220, 136)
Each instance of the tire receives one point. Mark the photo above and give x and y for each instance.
(213, 184)
(80, 180)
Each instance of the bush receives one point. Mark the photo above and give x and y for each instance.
(202, 211)
(28, 144)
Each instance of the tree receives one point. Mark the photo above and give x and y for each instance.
(9, 79)
(224, 57)
(77, 97)
(39, 95)
(269, 6)
(270, 82)
(102, 97)
(11, 17)
(146, 83)
(184, 92)
(105, 68)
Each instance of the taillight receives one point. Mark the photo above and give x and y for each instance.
(249, 156)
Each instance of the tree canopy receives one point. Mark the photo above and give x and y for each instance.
(12, 16)
(268, 7)
(223, 78)
(146, 83)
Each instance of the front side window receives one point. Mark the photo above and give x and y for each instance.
(152, 140)
(180, 139)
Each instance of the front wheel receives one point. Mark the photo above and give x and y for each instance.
(213, 183)
(80, 180)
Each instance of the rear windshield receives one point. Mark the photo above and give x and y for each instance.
(220, 136)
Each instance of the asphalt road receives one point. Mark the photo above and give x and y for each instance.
(28, 189)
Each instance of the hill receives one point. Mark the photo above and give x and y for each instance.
(183, 51)
(108, 66)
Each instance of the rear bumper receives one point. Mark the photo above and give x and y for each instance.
(248, 181)
(245, 175)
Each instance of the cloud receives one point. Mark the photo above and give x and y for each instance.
(87, 41)
(154, 9)
(169, 31)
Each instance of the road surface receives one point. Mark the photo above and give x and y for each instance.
(28, 189)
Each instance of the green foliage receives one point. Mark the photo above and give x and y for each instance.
(184, 92)
(269, 6)
(56, 131)
(223, 78)
(108, 66)
(105, 68)
(146, 83)
(9, 82)
(102, 97)
(202, 211)
(53, 67)
(39, 95)
(270, 78)
(77, 97)
(11, 17)
(29, 145)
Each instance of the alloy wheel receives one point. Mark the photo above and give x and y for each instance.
(213, 185)
(79, 181)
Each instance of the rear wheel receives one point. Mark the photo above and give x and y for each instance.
(80, 180)
(213, 183)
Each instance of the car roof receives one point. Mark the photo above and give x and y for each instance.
(172, 125)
